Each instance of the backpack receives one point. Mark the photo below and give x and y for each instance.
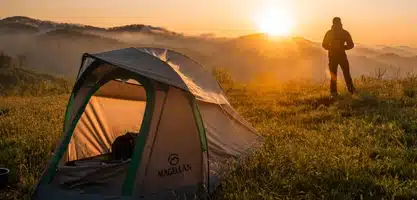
(123, 146)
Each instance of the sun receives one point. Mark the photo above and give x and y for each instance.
(275, 22)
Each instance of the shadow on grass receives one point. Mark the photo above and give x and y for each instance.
(314, 102)
(362, 100)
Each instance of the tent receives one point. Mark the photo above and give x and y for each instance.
(185, 130)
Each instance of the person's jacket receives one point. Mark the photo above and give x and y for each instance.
(337, 41)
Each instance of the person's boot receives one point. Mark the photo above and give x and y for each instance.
(334, 95)
(352, 90)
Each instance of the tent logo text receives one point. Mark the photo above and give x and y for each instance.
(173, 160)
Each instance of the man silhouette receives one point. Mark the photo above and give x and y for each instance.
(336, 42)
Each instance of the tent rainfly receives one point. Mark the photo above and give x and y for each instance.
(145, 123)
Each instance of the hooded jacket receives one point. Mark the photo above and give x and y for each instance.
(337, 41)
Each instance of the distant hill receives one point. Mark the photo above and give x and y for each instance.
(257, 41)
(23, 23)
(77, 34)
(267, 44)
(402, 51)
(365, 51)
(19, 81)
(409, 49)
(142, 28)
(389, 56)
(283, 58)
(14, 27)
(46, 25)
(56, 48)
(296, 57)
(404, 63)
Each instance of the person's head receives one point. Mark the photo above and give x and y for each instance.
(337, 22)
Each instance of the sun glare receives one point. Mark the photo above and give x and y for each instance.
(275, 22)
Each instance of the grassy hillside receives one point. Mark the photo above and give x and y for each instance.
(29, 129)
(355, 147)
(15, 80)
(18, 81)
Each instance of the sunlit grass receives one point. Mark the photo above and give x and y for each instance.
(361, 146)
(29, 130)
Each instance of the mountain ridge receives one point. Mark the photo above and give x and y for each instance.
(55, 48)
(47, 25)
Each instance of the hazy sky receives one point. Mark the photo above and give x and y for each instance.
(369, 21)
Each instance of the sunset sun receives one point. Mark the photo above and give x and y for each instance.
(275, 22)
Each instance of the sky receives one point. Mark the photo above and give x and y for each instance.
(388, 22)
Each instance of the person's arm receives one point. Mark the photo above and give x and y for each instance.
(326, 41)
(349, 42)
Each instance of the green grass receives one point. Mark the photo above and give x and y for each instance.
(356, 147)
(23, 82)
(29, 130)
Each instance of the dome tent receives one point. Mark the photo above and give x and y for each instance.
(184, 124)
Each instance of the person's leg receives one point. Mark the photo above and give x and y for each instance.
(344, 64)
(333, 76)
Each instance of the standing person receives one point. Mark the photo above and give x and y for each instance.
(336, 42)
